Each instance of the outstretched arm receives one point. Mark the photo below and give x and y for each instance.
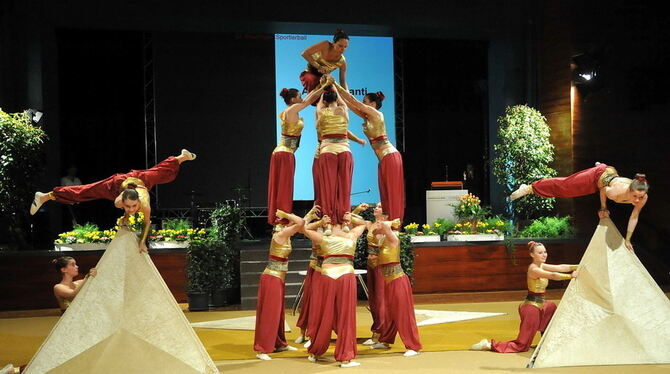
(603, 212)
(352, 136)
(343, 75)
(355, 105)
(146, 210)
(563, 268)
(295, 108)
(538, 272)
(308, 55)
(632, 221)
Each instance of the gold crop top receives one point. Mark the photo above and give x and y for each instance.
(538, 285)
(607, 177)
(376, 133)
(536, 289)
(373, 243)
(332, 125)
(278, 263)
(337, 246)
(290, 135)
(338, 253)
(328, 65)
(281, 251)
(388, 254)
(140, 188)
(334, 129)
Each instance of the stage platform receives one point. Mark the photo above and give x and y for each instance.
(445, 344)
(440, 267)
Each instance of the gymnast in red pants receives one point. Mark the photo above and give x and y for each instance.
(601, 178)
(535, 312)
(129, 191)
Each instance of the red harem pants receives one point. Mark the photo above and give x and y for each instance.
(400, 316)
(269, 333)
(310, 80)
(280, 184)
(533, 319)
(315, 306)
(339, 314)
(305, 299)
(581, 183)
(315, 179)
(391, 181)
(334, 189)
(375, 282)
(165, 172)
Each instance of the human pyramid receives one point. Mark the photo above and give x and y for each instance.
(329, 292)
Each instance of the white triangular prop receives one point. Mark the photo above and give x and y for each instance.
(427, 317)
(124, 320)
(613, 313)
(241, 323)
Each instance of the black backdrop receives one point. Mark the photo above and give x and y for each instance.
(214, 94)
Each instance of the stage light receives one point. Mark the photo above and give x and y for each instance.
(35, 115)
(587, 77)
(585, 68)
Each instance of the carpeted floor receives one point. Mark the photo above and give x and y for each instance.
(445, 345)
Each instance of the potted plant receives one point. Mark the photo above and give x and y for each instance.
(442, 226)
(426, 235)
(176, 233)
(83, 238)
(226, 229)
(473, 224)
(198, 274)
(21, 161)
(523, 156)
(549, 227)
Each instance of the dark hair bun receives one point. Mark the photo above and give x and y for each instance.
(340, 34)
(380, 95)
(284, 92)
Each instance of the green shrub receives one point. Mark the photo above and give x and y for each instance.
(523, 156)
(176, 224)
(549, 227)
(21, 161)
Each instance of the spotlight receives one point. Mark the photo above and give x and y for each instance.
(585, 68)
(35, 115)
(586, 76)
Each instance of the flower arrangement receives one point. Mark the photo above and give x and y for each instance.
(88, 233)
(441, 226)
(412, 228)
(178, 235)
(178, 231)
(134, 222)
(469, 208)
